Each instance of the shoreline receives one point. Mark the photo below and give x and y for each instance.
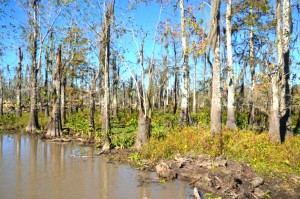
(217, 175)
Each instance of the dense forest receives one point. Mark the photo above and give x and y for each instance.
(164, 77)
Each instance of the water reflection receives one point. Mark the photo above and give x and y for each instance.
(33, 169)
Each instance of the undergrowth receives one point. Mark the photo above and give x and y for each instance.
(12, 121)
(258, 150)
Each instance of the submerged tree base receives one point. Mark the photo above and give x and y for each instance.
(54, 128)
(32, 126)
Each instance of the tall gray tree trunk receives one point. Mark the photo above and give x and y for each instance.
(124, 96)
(195, 84)
(49, 65)
(176, 82)
(230, 123)
(145, 98)
(109, 12)
(92, 104)
(285, 97)
(184, 114)
(19, 83)
(46, 95)
(274, 125)
(54, 128)
(130, 95)
(166, 68)
(71, 97)
(282, 93)
(63, 98)
(143, 134)
(166, 102)
(33, 123)
(274, 119)
(115, 86)
(214, 38)
(251, 117)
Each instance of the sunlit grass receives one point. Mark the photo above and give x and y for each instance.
(258, 150)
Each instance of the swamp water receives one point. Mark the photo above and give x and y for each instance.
(33, 169)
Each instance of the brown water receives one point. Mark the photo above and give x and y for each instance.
(33, 169)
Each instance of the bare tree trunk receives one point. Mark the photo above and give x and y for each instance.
(184, 114)
(143, 130)
(166, 68)
(92, 105)
(63, 97)
(285, 98)
(214, 38)
(72, 95)
(81, 97)
(145, 104)
(19, 83)
(54, 128)
(166, 102)
(131, 95)
(176, 82)
(274, 120)
(195, 84)
(46, 95)
(124, 96)
(159, 94)
(274, 125)
(115, 85)
(251, 116)
(109, 12)
(33, 123)
(230, 106)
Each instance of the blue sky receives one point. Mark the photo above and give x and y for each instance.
(144, 16)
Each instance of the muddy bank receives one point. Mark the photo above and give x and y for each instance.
(218, 175)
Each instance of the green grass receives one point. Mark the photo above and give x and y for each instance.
(265, 156)
(12, 121)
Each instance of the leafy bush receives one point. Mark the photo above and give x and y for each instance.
(242, 119)
(78, 122)
(123, 140)
(12, 121)
(202, 117)
(8, 121)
